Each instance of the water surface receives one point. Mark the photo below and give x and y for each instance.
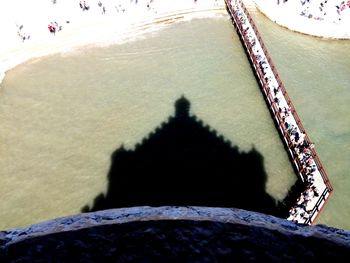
(62, 116)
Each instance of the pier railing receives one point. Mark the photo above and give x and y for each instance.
(316, 209)
(289, 101)
(274, 109)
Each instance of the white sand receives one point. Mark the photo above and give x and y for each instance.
(123, 19)
(288, 15)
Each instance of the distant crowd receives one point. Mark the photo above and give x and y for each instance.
(330, 10)
(298, 143)
(110, 7)
(116, 6)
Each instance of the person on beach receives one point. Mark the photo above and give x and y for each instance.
(52, 29)
(23, 36)
(84, 6)
(103, 8)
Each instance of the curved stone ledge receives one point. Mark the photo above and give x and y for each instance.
(214, 233)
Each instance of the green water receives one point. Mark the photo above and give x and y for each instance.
(62, 116)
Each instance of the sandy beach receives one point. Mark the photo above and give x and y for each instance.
(25, 24)
(313, 22)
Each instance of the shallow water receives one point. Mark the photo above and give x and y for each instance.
(62, 116)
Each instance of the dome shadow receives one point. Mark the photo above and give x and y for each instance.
(186, 163)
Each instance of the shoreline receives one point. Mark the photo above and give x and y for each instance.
(92, 28)
(96, 30)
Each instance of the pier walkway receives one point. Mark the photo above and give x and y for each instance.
(301, 150)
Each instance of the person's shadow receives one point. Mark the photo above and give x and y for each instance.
(186, 163)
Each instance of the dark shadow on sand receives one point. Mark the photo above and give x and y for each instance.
(184, 162)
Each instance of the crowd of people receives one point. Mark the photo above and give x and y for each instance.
(118, 5)
(330, 10)
(54, 27)
(299, 145)
(94, 7)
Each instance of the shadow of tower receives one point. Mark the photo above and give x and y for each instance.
(184, 162)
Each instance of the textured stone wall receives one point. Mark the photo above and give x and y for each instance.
(173, 234)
